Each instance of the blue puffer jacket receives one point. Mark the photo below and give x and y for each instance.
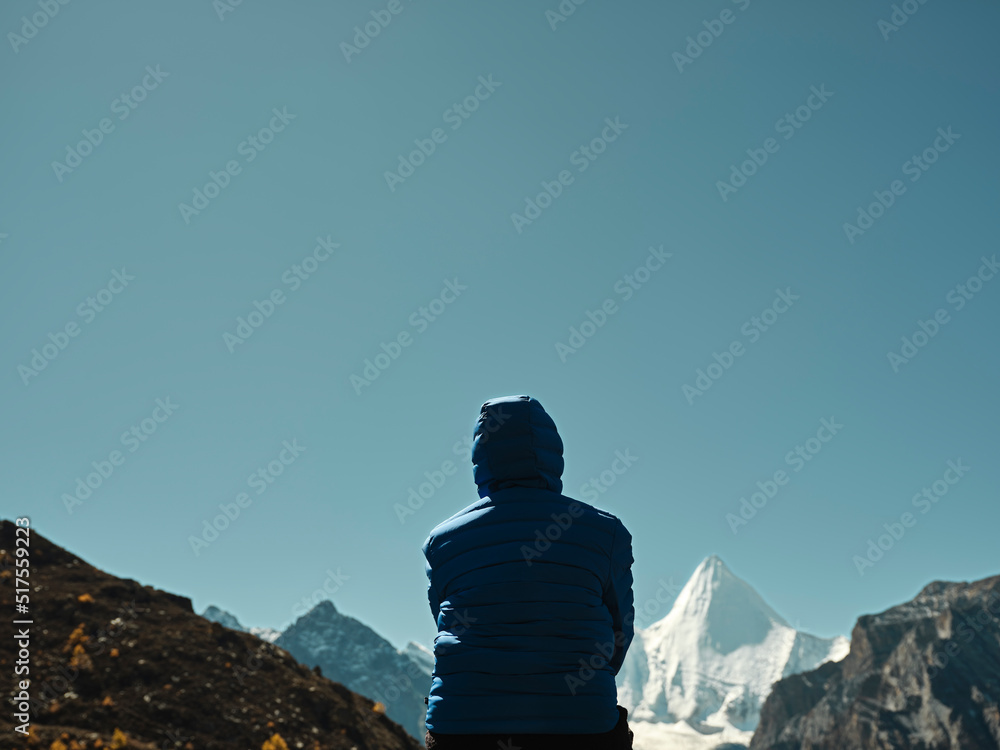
(531, 591)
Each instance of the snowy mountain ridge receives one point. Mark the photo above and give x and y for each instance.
(229, 620)
(697, 678)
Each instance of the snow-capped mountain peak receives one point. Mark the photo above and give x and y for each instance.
(724, 611)
(698, 677)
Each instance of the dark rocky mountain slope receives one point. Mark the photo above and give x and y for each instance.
(924, 675)
(115, 664)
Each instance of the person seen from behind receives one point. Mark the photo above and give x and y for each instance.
(531, 592)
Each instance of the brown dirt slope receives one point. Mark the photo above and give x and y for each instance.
(115, 664)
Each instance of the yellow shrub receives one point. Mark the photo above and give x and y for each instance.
(275, 743)
(85, 599)
(119, 740)
(75, 638)
(81, 660)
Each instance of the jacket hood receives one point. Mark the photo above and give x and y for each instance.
(515, 444)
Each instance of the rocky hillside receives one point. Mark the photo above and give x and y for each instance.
(924, 675)
(353, 654)
(115, 664)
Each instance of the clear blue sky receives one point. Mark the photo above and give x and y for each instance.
(655, 183)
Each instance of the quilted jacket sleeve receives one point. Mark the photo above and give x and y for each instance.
(432, 597)
(618, 594)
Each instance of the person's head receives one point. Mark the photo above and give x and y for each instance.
(515, 444)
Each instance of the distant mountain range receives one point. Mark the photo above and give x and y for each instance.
(122, 664)
(724, 671)
(695, 679)
(351, 653)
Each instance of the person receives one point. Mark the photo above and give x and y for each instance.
(531, 591)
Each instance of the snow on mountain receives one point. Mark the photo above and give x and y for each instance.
(228, 619)
(697, 678)
(265, 634)
(421, 655)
